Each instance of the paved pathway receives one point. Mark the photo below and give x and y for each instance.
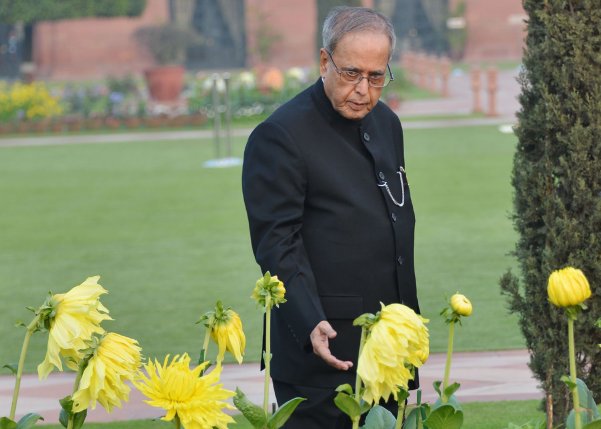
(484, 376)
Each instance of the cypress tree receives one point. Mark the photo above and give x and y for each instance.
(557, 181)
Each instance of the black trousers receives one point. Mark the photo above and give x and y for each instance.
(319, 410)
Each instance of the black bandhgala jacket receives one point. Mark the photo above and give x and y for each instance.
(322, 220)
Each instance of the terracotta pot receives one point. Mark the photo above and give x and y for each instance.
(165, 83)
(132, 122)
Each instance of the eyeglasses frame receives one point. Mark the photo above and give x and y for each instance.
(361, 77)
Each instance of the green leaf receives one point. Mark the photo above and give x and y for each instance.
(436, 385)
(364, 406)
(348, 405)
(79, 419)
(452, 401)
(20, 324)
(253, 413)
(12, 367)
(568, 381)
(585, 397)
(450, 390)
(66, 412)
(593, 425)
(281, 416)
(346, 388)
(366, 320)
(66, 403)
(422, 411)
(379, 418)
(445, 417)
(63, 418)
(402, 395)
(66, 407)
(29, 420)
(590, 412)
(411, 419)
(6, 423)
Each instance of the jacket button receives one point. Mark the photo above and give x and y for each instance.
(366, 137)
(393, 217)
(400, 260)
(381, 175)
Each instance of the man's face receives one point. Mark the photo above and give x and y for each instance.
(364, 52)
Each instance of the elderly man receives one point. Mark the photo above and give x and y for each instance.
(330, 213)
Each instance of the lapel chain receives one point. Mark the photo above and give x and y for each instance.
(384, 185)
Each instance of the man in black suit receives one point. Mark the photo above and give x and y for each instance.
(330, 213)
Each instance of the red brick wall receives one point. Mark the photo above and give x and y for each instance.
(96, 48)
(295, 23)
(495, 29)
(93, 47)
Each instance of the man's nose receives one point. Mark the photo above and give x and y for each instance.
(362, 86)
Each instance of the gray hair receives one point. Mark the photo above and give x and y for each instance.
(344, 19)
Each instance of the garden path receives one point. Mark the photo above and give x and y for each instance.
(484, 376)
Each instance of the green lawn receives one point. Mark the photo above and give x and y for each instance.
(478, 415)
(169, 237)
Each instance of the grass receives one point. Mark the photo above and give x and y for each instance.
(442, 117)
(170, 237)
(501, 65)
(478, 415)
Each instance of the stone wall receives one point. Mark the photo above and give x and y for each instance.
(496, 30)
(93, 47)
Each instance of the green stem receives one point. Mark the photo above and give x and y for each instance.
(401, 413)
(82, 366)
(267, 356)
(577, 422)
(31, 328)
(205, 348)
(447, 368)
(177, 422)
(418, 416)
(364, 331)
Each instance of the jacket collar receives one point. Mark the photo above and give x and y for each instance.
(324, 105)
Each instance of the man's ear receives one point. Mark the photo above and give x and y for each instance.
(323, 61)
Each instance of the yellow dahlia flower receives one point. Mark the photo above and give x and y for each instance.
(197, 402)
(225, 327)
(73, 318)
(396, 342)
(269, 286)
(115, 359)
(461, 305)
(568, 287)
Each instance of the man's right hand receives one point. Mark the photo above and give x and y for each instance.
(320, 339)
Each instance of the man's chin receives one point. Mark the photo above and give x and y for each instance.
(354, 114)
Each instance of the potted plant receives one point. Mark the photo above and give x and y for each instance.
(167, 43)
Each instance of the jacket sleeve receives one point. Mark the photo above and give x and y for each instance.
(274, 183)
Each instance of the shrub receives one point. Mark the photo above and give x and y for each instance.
(27, 101)
(557, 209)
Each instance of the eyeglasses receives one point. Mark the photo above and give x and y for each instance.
(354, 77)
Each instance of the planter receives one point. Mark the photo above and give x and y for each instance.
(165, 83)
(112, 123)
(94, 123)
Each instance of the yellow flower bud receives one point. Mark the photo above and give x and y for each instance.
(568, 287)
(461, 305)
(269, 286)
